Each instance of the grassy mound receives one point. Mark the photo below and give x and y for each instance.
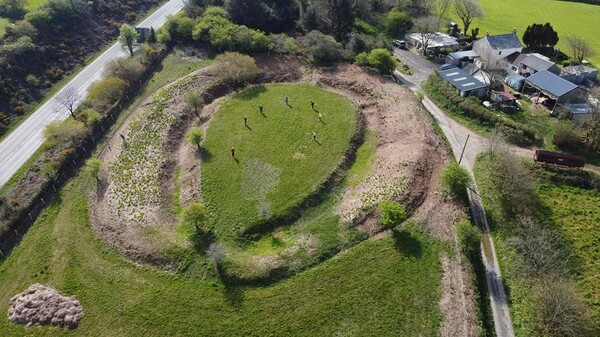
(277, 163)
(379, 288)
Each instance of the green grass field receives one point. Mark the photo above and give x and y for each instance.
(381, 287)
(576, 212)
(277, 163)
(567, 18)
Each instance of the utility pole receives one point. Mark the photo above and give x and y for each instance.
(463, 150)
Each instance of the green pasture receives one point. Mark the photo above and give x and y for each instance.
(567, 18)
(277, 163)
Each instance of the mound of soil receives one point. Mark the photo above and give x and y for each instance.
(41, 305)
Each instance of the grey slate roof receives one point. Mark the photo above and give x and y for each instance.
(504, 41)
(538, 64)
(550, 83)
(461, 80)
(512, 58)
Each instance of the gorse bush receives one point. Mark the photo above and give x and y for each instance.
(321, 48)
(454, 181)
(469, 239)
(391, 213)
(382, 60)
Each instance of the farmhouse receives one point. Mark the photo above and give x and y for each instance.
(494, 48)
(466, 84)
(529, 64)
(438, 41)
(557, 91)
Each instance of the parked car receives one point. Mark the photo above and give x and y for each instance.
(399, 44)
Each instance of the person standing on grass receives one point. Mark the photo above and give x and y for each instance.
(320, 118)
(314, 136)
(287, 101)
(260, 108)
(232, 152)
(312, 104)
(245, 121)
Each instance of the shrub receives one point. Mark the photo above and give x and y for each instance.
(193, 218)
(194, 136)
(382, 60)
(106, 92)
(359, 43)
(362, 59)
(392, 213)
(560, 311)
(566, 135)
(469, 239)
(89, 116)
(282, 44)
(234, 68)
(127, 69)
(454, 178)
(566, 63)
(321, 48)
(64, 133)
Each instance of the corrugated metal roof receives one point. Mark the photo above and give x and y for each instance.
(460, 54)
(550, 83)
(461, 80)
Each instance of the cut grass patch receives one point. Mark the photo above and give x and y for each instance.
(277, 163)
(379, 288)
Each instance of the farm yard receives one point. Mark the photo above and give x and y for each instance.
(567, 18)
(320, 236)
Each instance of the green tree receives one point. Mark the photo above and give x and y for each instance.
(106, 92)
(128, 69)
(454, 180)
(62, 133)
(193, 217)
(391, 213)
(234, 68)
(128, 37)
(194, 136)
(397, 22)
(539, 36)
(382, 60)
(194, 100)
(321, 48)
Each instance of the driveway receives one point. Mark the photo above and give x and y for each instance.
(420, 67)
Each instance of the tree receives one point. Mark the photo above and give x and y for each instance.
(467, 10)
(382, 60)
(13, 8)
(216, 253)
(106, 92)
(541, 248)
(333, 17)
(234, 68)
(272, 16)
(128, 69)
(539, 36)
(69, 99)
(397, 22)
(193, 216)
(426, 27)
(194, 136)
(560, 311)
(128, 37)
(391, 213)
(580, 48)
(454, 180)
(321, 48)
(194, 100)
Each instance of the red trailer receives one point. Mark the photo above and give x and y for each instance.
(559, 159)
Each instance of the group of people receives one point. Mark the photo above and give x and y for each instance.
(286, 99)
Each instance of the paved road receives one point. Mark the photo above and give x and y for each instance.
(28, 137)
(457, 135)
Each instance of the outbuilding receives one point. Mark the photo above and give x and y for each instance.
(579, 74)
(466, 84)
(460, 58)
(555, 88)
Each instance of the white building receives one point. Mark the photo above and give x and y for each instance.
(494, 48)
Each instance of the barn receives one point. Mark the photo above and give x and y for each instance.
(466, 84)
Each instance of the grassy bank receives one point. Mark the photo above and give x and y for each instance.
(382, 287)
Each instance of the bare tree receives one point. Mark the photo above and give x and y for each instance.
(541, 248)
(467, 10)
(216, 253)
(69, 99)
(441, 8)
(580, 48)
(426, 27)
(561, 312)
(495, 69)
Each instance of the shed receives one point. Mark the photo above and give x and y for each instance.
(438, 41)
(534, 63)
(579, 74)
(458, 57)
(556, 88)
(466, 84)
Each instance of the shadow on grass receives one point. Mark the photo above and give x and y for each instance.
(251, 93)
(406, 243)
(204, 154)
(233, 295)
